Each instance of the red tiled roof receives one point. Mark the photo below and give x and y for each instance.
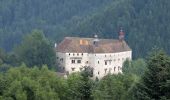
(73, 45)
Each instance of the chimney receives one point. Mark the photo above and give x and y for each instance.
(121, 34)
(96, 40)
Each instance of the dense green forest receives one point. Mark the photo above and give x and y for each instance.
(146, 22)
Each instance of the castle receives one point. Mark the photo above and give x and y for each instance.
(102, 55)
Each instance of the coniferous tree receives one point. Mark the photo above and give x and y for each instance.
(152, 85)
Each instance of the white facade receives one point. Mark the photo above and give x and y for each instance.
(102, 63)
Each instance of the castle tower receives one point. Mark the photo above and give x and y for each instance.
(121, 34)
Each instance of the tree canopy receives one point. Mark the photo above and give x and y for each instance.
(36, 50)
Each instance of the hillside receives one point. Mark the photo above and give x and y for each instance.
(145, 22)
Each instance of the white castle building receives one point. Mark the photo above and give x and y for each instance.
(102, 55)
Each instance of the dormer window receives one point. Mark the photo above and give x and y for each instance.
(82, 54)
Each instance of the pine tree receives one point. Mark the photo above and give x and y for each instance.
(153, 84)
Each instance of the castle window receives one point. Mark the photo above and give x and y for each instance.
(61, 59)
(82, 54)
(69, 54)
(105, 62)
(118, 68)
(105, 55)
(98, 73)
(77, 54)
(73, 54)
(72, 69)
(98, 62)
(78, 61)
(114, 69)
(105, 70)
(73, 61)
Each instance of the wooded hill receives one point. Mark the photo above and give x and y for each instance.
(146, 22)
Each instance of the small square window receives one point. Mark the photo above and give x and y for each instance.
(78, 61)
(73, 61)
(72, 69)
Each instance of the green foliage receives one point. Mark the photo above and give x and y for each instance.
(35, 50)
(114, 87)
(80, 87)
(137, 67)
(23, 83)
(154, 83)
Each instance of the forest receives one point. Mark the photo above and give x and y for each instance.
(29, 29)
(146, 22)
